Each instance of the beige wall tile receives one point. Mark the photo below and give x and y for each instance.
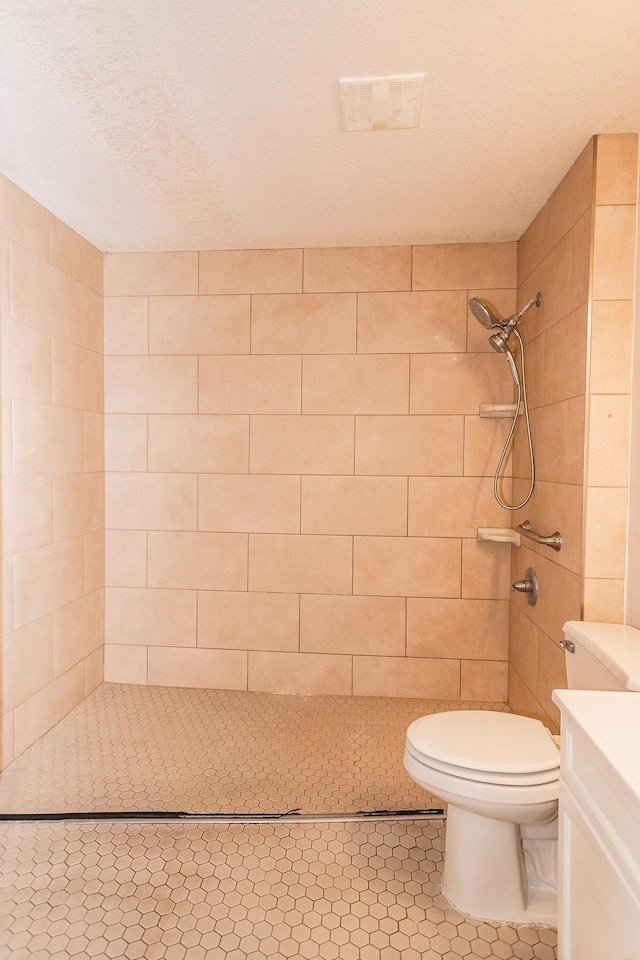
(160, 501)
(605, 533)
(486, 570)
(251, 271)
(27, 662)
(47, 578)
(611, 325)
(406, 566)
(549, 612)
(355, 384)
(558, 506)
(453, 506)
(374, 506)
(150, 617)
(194, 325)
(528, 706)
(303, 323)
(549, 430)
(406, 677)
(457, 383)
(249, 384)
(423, 322)
(78, 504)
(248, 621)
(27, 513)
(565, 372)
(581, 260)
(151, 384)
(146, 274)
(300, 673)
(5, 275)
(93, 424)
(211, 669)
(306, 564)
(74, 255)
(484, 441)
(603, 601)
(25, 362)
(6, 607)
(409, 446)
(313, 444)
(484, 680)
(125, 558)
(93, 561)
(523, 646)
(43, 297)
(78, 630)
(461, 629)
(255, 504)
(77, 376)
(92, 320)
(198, 561)
(459, 266)
(502, 302)
(608, 456)
(572, 196)
(125, 664)
(45, 708)
(199, 443)
(93, 671)
(553, 280)
(551, 675)
(614, 252)
(126, 325)
(617, 168)
(7, 754)
(533, 245)
(24, 219)
(125, 442)
(353, 625)
(6, 438)
(336, 269)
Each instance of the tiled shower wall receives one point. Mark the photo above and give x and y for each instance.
(51, 385)
(579, 251)
(296, 471)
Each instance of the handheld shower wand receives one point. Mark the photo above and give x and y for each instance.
(485, 315)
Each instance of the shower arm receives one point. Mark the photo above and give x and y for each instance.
(554, 540)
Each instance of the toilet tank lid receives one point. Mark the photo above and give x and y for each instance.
(615, 645)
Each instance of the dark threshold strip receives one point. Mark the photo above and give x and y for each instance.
(142, 815)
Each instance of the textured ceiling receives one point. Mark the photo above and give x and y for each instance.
(195, 124)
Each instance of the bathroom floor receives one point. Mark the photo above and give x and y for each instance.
(354, 890)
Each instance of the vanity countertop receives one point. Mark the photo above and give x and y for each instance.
(611, 721)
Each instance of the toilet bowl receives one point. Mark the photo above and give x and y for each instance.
(499, 773)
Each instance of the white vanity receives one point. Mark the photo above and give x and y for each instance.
(599, 826)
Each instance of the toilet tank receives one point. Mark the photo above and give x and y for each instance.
(606, 657)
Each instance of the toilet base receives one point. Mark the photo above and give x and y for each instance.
(488, 875)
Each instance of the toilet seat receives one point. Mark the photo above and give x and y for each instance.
(485, 747)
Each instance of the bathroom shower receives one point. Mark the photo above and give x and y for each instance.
(499, 341)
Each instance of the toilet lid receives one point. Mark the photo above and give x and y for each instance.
(485, 741)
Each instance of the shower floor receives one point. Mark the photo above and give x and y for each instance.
(218, 751)
(212, 891)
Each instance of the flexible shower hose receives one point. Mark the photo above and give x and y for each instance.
(522, 396)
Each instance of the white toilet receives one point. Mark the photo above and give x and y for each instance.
(499, 774)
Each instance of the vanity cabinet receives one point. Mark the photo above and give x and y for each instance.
(599, 826)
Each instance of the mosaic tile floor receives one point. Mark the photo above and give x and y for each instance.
(347, 891)
(158, 748)
(336, 891)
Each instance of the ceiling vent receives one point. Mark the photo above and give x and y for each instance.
(381, 103)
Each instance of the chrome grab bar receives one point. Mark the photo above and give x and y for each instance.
(554, 541)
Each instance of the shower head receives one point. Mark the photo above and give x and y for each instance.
(498, 341)
(484, 314)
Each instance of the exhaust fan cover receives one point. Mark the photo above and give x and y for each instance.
(381, 103)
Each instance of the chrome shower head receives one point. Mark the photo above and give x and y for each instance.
(484, 314)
